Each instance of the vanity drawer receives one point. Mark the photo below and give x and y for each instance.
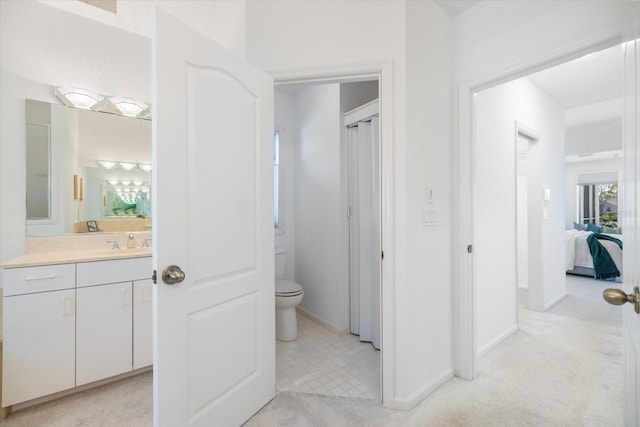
(113, 271)
(28, 280)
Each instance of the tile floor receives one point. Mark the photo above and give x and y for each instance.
(324, 363)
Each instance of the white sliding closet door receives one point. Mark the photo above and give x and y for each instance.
(364, 222)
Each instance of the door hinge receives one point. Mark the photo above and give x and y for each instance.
(469, 248)
(154, 277)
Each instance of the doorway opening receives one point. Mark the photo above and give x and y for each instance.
(535, 137)
(315, 211)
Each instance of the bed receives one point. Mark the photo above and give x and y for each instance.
(578, 255)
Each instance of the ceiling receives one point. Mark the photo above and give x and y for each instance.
(589, 88)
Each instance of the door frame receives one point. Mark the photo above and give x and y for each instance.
(465, 339)
(383, 72)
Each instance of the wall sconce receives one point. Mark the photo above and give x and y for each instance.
(78, 188)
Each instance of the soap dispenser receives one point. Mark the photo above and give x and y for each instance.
(131, 244)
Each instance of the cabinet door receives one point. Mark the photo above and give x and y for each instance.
(142, 324)
(103, 331)
(39, 345)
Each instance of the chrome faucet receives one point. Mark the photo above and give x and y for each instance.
(131, 244)
(145, 244)
(115, 244)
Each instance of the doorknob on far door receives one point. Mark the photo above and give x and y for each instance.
(618, 297)
(172, 275)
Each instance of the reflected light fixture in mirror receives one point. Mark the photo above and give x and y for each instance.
(107, 164)
(128, 166)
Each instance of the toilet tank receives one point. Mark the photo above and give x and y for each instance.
(281, 253)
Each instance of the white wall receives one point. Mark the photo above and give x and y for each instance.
(572, 170)
(284, 35)
(319, 249)
(424, 303)
(497, 111)
(219, 20)
(594, 138)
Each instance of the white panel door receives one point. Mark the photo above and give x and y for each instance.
(214, 333)
(631, 227)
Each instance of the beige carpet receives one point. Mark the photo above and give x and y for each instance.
(563, 368)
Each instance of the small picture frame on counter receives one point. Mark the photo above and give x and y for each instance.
(92, 226)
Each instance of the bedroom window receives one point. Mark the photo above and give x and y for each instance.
(598, 204)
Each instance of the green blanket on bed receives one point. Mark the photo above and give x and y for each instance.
(603, 264)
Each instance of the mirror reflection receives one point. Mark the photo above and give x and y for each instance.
(86, 166)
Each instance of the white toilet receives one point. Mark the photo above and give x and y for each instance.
(288, 296)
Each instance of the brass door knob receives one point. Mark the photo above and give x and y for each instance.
(618, 297)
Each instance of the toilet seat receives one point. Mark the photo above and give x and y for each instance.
(284, 288)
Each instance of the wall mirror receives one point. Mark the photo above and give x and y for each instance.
(86, 166)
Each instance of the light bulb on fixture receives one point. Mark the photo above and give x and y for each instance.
(144, 167)
(106, 164)
(137, 183)
(127, 166)
(112, 181)
(77, 98)
(128, 107)
(125, 182)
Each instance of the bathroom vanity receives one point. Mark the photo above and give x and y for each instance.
(74, 318)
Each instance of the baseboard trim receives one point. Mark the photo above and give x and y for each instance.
(328, 326)
(482, 351)
(554, 301)
(54, 396)
(409, 402)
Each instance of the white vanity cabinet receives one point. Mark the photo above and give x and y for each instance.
(105, 313)
(67, 325)
(39, 332)
(142, 323)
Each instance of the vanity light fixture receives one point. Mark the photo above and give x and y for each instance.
(77, 98)
(145, 114)
(146, 168)
(87, 100)
(137, 183)
(128, 107)
(125, 182)
(112, 181)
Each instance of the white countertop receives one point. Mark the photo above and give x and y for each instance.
(66, 257)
